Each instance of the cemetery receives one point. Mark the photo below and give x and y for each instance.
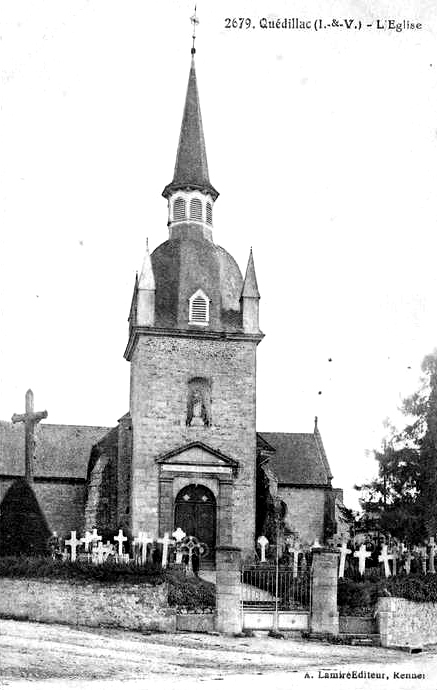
(383, 594)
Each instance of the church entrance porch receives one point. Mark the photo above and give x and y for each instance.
(195, 513)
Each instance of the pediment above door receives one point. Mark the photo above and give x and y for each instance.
(198, 457)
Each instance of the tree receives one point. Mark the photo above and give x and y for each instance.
(403, 497)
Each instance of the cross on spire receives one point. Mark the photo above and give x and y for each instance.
(194, 20)
(30, 419)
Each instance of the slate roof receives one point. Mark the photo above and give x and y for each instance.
(191, 169)
(299, 458)
(62, 450)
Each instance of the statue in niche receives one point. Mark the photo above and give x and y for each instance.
(198, 407)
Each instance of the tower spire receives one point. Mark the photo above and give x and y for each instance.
(191, 168)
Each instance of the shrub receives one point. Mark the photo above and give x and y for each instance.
(109, 572)
(189, 592)
(359, 598)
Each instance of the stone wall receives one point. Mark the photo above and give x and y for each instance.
(62, 505)
(306, 509)
(134, 607)
(161, 369)
(404, 623)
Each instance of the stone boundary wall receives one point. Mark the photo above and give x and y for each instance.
(134, 607)
(195, 622)
(404, 623)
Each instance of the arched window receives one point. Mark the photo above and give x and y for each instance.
(199, 309)
(209, 213)
(195, 209)
(179, 212)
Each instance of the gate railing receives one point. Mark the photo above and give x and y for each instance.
(275, 587)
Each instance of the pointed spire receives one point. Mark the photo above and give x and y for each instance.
(145, 298)
(250, 285)
(191, 169)
(147, 279)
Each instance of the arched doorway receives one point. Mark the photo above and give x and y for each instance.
(195, 514)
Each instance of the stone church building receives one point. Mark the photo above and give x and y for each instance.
(187, 454)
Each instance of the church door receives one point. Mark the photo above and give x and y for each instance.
(195, 514)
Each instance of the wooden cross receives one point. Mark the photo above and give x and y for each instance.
(178, 534)
(165, 541)
(120, 538)
(432, 552)
(362, 555)
(343, 553)
(87, 540)
(263, 542)
(30, 419)
(72, 543)
(385, 557)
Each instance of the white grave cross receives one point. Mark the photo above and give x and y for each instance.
(295, 550)
(423, 554)
(385, 557)
(362, 555)
(72, 543)
(263, 542)
(407, 564)
(95, 536)
(120, 538)
(165, 541)
(179, 534)
(343, 553)
(87, 540)
(144, 540)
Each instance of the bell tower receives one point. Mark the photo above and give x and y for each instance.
(193, 333)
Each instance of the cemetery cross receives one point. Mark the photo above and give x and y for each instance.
(72, 543)
(362, 555)
(343, 553)
(263, 542)
(30, 419)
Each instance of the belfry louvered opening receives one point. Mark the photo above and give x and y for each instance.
(199, 308)
(195, 209)
(209, 213)
(179, 212)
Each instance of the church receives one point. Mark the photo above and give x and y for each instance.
(187, 454)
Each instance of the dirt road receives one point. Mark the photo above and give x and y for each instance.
(53, 656)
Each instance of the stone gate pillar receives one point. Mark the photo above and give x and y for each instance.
(324, 611)
(228, 590)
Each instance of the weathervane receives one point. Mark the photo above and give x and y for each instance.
(194, 20)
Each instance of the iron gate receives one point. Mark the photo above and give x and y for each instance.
(270, 587)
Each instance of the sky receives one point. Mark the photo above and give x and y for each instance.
(322, 145)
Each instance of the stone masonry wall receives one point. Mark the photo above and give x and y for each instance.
(305, 513)
(62, 505)
(404, 623)
(124, 471)
(160, 371)
(134, 607)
